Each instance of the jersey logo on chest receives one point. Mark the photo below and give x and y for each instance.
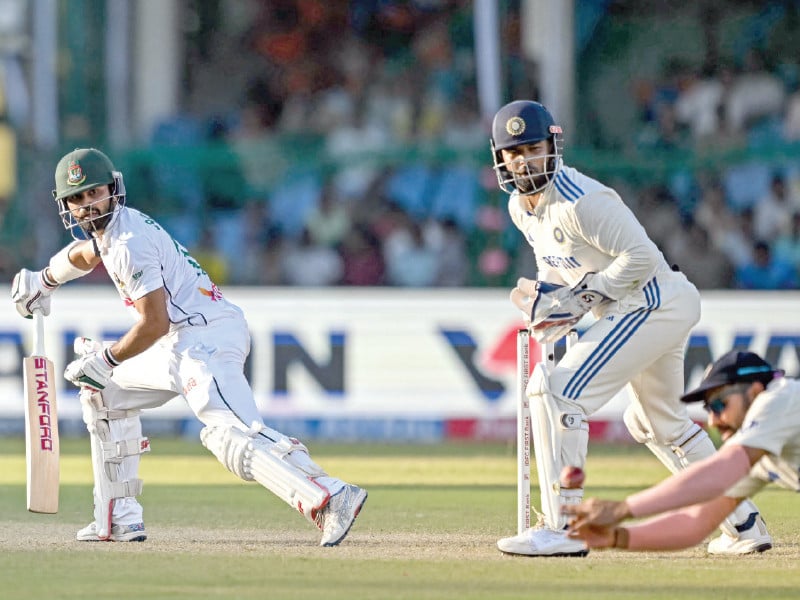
(562, 262)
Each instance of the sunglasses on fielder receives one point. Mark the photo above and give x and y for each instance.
(718, 403)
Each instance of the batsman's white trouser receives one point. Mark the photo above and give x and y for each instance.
(205, 365)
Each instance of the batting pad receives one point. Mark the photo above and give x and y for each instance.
(116, 444)
(282, 466)
(559, 438)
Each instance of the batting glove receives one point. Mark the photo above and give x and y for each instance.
(92, 371)
(31, 291)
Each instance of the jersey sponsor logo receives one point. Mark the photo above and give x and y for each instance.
(558, 235)
(75, 174)
(137, 275)
(562, 262)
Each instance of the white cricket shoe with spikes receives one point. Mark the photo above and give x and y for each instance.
(751, 540)
(542, 541)
(119, 533)
(336, 519)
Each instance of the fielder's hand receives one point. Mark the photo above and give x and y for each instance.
(31, 291)
(92, 370)
(593, 511)
(594, 536)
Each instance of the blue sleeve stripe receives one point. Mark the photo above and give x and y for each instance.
(568, 188)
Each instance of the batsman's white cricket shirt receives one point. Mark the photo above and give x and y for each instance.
(772, 424)
(140, 257)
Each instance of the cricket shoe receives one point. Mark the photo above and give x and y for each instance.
(753, 539)
(542, 541)
(119, 533)
(336, 519)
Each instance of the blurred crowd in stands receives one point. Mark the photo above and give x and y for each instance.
(354, 157)
(734, 225)
(340, 143)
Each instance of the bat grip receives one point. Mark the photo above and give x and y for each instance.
(38, 331)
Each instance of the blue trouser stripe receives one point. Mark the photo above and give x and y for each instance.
(613, 342)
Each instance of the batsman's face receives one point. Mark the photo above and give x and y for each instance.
(91, 208)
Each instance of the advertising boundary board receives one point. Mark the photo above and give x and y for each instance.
(383, 364)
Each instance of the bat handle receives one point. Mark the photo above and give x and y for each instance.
(38, 330)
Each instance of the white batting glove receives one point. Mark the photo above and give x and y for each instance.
(31, 291)
(92, 370)
(84, 345)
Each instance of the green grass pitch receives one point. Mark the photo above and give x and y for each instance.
(427, 531)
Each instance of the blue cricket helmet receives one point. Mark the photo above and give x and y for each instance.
(519, 123)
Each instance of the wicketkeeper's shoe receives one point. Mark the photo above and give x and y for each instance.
(542, 541)
(754, 539)
(337, 517)
(119, 533)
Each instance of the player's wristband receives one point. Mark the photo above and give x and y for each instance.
(621, 538)
(110, 359)
(47, 280)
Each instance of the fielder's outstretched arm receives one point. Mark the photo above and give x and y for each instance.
(702, 481)
(675, 530)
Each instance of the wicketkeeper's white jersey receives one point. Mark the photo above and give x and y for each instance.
(582, 226)
(140, 257)
(772, 424)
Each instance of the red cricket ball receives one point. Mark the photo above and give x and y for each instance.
(572, 477)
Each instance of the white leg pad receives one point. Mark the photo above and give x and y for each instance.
(560, 437)
(692, 446)
(116, 443)
(279, 463)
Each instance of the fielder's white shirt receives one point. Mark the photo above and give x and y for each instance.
(140, 257)
(581, 226)
(772, 424)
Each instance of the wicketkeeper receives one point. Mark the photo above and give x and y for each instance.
(187, 339)
(593, 255)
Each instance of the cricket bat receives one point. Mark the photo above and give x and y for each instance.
(41, 425)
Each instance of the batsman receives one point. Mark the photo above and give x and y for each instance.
(187, 339)
(592, 255)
